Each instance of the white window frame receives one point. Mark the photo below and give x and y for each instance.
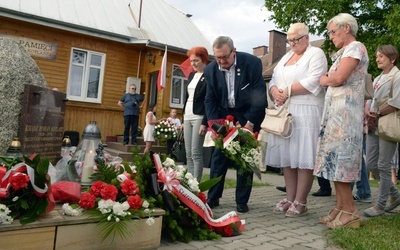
(177, 75)
(85, 76)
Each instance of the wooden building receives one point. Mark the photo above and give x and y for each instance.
(93, 50)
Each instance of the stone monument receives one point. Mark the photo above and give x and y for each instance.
(17, 69)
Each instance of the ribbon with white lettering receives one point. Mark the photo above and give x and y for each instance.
(167, 177)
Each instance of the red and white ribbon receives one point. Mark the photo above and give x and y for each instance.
(17, 169)
(193, 201)
(167, 176)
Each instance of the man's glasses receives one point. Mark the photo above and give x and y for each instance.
(225, 57)
(332, 32)
(294, 41)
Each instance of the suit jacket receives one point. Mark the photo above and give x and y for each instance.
(198, 97)
(250, 91)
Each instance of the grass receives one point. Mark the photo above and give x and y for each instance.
(381, 232)
(231, 183)
(376, 233)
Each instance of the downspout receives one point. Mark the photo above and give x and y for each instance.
(139, 61)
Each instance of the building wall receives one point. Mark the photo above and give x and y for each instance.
(122, 61)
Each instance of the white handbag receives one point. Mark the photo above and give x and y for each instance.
(278, 121)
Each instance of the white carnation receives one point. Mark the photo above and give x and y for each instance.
(145, 204)
(150, 221)
(169, 162)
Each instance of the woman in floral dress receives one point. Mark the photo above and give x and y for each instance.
(341, 137)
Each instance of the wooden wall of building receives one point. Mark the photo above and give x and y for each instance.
(122, 61)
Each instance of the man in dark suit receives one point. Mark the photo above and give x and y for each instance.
(234, 87)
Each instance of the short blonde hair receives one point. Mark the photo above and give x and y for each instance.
(298, 28)
(343, 19)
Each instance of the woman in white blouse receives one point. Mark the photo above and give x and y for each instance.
(297, 73)
(194, 118)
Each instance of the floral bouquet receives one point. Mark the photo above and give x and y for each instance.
(115, 198)
(190, 216)
(165, 130)
(238, 144)
(25, 192)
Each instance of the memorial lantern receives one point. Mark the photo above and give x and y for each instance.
(15, 149)
(65, 146)
(82, 164)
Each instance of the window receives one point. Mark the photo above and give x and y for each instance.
(86, 72)
(178, 87)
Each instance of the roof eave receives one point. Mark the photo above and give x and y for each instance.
(86, 30)
(161, 46)
(64, 26)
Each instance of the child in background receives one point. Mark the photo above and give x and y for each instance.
(148, 131)
(174, 120)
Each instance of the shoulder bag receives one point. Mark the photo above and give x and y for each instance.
(278, 121)
(369, 89)
(389, 125)
(178, 148)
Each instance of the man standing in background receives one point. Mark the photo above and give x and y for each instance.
(131, 104)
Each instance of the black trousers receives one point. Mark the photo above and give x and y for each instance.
(131, 123)
(324, 184)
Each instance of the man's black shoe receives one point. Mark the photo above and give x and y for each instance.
(213, 203)
(321, 192)
(125, 143)
(242, 208)
(283, 189)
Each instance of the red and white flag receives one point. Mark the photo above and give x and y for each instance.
(163, 71)
(186, 67)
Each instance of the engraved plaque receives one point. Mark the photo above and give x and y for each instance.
(42, 122)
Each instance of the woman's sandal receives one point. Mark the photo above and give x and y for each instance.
(328, 218)
(280, 206)
(294, 212)
(353, 223)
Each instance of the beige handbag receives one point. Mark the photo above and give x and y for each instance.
(389, 125)
(369, 89)
(278, 121)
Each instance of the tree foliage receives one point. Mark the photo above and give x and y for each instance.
(377, 20)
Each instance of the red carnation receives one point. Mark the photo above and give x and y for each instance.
(135, 202)
(202, 197)
(230, 118)
(96, 188)
(19, 180)
(109, 192)
(227, 231)
(218, 230)
(129, 187)
(87, 201)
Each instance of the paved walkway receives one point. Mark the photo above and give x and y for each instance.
(266, 230)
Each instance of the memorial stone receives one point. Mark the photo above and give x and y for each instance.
(17, 69)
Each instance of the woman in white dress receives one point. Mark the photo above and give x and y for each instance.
(298, 71)
(148, 131)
